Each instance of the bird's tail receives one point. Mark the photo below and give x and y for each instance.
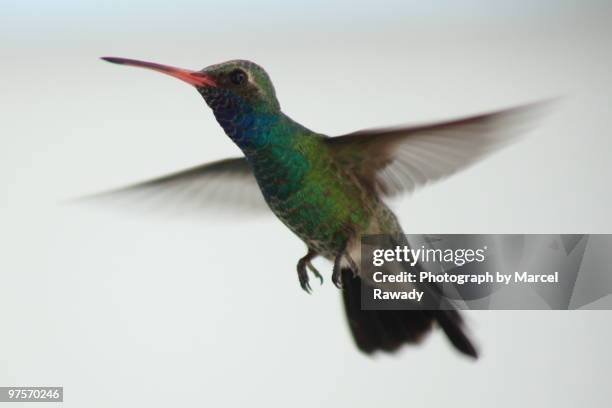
(387, 330)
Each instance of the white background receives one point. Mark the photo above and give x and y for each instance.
(124, 310)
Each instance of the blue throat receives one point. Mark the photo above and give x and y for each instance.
(249, 128)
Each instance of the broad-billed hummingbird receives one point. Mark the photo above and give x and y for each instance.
(329, 190)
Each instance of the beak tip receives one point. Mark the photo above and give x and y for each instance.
(111, 59)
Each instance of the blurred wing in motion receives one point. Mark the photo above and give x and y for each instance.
(224, 184)
(401, 159)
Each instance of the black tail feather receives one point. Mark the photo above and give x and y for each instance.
(450, 321)
(388, 330)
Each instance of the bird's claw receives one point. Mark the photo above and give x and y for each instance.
(337, 279)
(337, 273)
(305, 285)
(303, 266)
(315, 272)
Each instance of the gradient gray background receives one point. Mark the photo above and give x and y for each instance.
(126, 311)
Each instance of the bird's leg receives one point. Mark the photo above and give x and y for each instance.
(344, 254)
(302, 266)
(315, 272)
(336, 274)
(352, 265)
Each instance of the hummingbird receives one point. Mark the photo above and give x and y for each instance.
(329, 191)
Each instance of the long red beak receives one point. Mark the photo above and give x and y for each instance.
(195, 78)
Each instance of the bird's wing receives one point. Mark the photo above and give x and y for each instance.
(224, 184)
(401, 159)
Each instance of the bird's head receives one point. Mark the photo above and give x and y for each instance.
(242, 80)
(239, 92)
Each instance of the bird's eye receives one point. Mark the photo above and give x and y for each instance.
(238, 77)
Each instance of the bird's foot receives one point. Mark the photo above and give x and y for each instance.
(337, 280)
(304, 281)
(315, 272)
(303, 266)
(337, 273)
